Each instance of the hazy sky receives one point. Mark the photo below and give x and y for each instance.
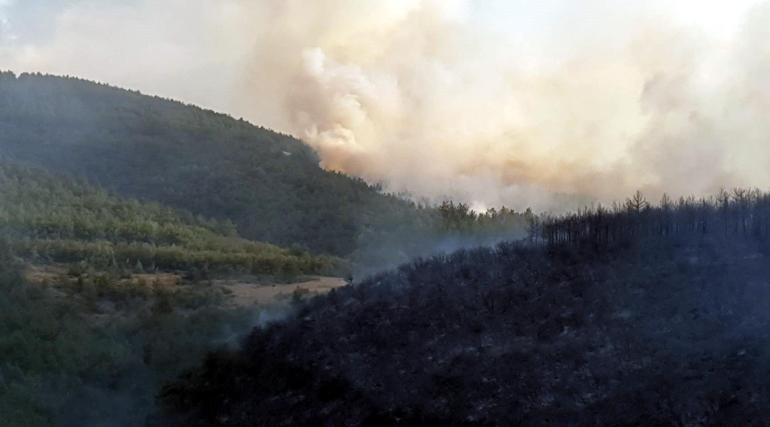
(491, 101)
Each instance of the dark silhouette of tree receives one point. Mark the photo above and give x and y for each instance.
(741, 214)
(637, 203)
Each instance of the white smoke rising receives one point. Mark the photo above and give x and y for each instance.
(428, 103)
(5, 31)
(588, 100)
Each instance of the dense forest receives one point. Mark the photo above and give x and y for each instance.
(93, 351)
(268, 184)
(102, 298)
(633, 315)
(49, 218)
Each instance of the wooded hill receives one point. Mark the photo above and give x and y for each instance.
(48, 218)
(90, 347)
(103, 298)
(268, 184)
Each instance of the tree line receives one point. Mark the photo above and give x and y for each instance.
(49, 218)
(739, 214)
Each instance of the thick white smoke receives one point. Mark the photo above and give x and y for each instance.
(419, 96)
(592, 101)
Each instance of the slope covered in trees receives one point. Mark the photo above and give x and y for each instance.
(104, 298)
(94, 351)
(270, 185)
(636, 315)
(48, 218)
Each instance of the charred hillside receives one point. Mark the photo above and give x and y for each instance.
(629, 316)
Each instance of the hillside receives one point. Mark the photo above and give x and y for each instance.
(48, 218)
(269, 185)
(137, 234)
(631, 316)
(104, 298)
(90, 348)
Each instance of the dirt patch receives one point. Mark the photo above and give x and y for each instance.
(44, 274)
(242, 292)
(252, 294)
(166, 280)
(57, 273)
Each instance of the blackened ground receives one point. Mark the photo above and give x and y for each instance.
(510, 336)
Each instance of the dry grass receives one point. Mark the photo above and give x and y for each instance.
(252, 294)
(242, 293)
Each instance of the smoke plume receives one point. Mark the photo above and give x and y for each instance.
(560, 101)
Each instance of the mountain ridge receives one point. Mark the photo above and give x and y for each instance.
(270, 184)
